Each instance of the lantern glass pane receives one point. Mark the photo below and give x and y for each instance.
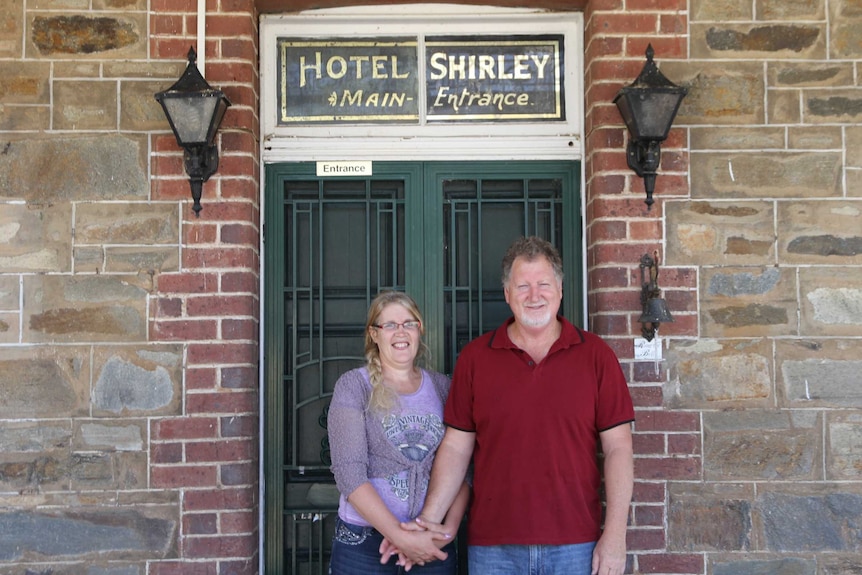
(221, 108)
(653, 113)
(191, 117)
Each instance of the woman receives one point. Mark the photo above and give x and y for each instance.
(385, 423)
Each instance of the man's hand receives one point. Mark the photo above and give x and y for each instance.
(414, 546)
(609, 555)
(442, 536)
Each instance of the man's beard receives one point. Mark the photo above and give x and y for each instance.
(532, 320)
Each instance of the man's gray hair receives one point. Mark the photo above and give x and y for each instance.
(532, 248)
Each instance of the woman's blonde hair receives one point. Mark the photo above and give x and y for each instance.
(383, 399)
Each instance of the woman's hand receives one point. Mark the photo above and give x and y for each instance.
(420, 543)
(414, 547)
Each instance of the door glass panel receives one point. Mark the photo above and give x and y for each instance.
(481, 218)
(344, 242)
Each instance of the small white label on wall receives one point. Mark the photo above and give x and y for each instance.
(647, 350)
(362, 168)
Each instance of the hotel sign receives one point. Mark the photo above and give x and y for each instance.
(466, 79)
(346, 81)
(495, 78)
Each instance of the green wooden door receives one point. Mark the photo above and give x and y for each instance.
(437, 230)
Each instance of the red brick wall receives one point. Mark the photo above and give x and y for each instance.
(210, 452)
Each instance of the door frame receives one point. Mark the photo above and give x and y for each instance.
(423, 219)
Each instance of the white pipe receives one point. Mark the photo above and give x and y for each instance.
(202, 27)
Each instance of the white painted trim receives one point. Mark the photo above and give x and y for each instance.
(202, 36)
(422, 149)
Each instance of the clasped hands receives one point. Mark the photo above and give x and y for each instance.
(419, 542)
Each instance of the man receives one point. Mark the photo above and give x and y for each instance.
(530, 403)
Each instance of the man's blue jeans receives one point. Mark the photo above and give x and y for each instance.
(531, 559)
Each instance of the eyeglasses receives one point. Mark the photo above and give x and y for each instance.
(392, 325)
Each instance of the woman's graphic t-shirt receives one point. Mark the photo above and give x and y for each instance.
(416, 431)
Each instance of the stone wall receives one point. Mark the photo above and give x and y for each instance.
(129, 328)
(747, 434)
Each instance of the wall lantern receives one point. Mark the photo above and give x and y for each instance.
(648, 107)
(655, 310)
(195, 110)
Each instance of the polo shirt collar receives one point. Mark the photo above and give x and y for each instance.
(569, 336)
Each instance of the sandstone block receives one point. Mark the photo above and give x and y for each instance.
(58, 4)
(719, 93)
(830, 106)
(790, 10)
(762, 445)
(719, 374)
(784, 74)
(82, 533)
(831, 301)
(109, 435)
(84, 105)
(854, 183)
(819, 373)
(74, 168)
(88, 308)
(9, 327)
(820, 233)
(33, 455)
(24, 83)
(748, 301)
(139, 109)
(9, 293)
(31, 473)
(736, 138)
(137, 380)
(24, 118)
(750, 41)
(10, 32)
(853, 136)
(843, 438)
(709, 517)
(168, 71)
(720, 10)
(89, 259)
(88, 470)
(840, 563)
(73, 69)
(44, 382)
(81, 36)
(766, 175)
(720, 233)
(845, 23)
(815, 137)
(126, 5)
(754, 565)
(816, 518)
(137, 224)
(782, 106)
(124, 260)
(33, 240)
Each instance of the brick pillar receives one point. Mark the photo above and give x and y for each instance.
(209, 454)
(619, 231)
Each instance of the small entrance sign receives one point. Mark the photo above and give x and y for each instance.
(359, 168)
